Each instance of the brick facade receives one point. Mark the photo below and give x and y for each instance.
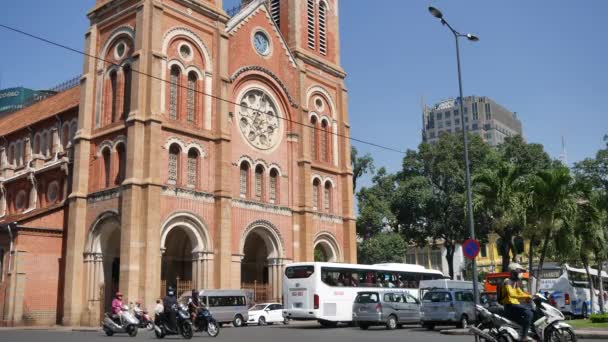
(169, 180)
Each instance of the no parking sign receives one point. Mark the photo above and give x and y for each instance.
(470, 248)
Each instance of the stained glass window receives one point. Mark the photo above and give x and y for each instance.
(191, 97)
(174, 84)
(273, 185)
(192, 167)
(173, 164)
(243, 179)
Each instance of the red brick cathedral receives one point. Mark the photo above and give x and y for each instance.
(201, 149)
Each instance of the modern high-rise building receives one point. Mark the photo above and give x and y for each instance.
(483, 116)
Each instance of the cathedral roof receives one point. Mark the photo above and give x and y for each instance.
(39, 111)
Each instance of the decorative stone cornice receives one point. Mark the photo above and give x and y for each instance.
(104, 195)
(269, 73)
(262, 207)
(329, 218)
(188, 194)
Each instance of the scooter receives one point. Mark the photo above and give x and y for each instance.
(548, 324)
(144, 319)
(183, 324)
(205, 322)
(127, 323)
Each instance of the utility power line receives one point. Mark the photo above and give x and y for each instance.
(48, 41)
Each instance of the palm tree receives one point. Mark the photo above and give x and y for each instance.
(500, 199)
(553, 199)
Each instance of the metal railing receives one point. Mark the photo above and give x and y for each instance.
(45, 94)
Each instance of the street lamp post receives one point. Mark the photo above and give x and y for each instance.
(437, 14)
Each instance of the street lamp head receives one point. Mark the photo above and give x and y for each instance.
(472, 37)
(435, 12)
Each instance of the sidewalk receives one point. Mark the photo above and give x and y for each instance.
(52, 328)
(592, 334)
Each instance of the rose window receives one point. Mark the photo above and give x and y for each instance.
(259, 119)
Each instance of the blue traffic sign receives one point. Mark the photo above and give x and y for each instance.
(470, 248)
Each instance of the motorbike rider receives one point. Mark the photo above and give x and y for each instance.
(117, 307)
(169, 302)
(512, 297)
(194, 304)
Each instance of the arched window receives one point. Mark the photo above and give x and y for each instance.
(11, 155)
(193, 168)
(37, 144)
(173, 171)
(313, 138)
(126, 105)
(275, 12)
(244, 174)
(324, 137)
(315, 193)
(174, 92)
(323, 28)
(310, 11)
(327, 196)
(65, 136)
(259, 182)
(44, 146)
(1, 264)
(114, 91)
(120, 176)
(191, 97)
(274, 185)
(19, 153)
(106, 167)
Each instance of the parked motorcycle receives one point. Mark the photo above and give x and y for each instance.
(183, 324)
(204, 322)
(548, 324)
(127, 323)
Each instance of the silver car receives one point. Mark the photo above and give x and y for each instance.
(226, 306)
(388, 308)
(447, 307)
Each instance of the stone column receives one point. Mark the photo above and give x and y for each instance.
(207, 103)
(208, 280)
(198, 270)
(56, 142)
(2, 199)
(27, 158)
(33, 200)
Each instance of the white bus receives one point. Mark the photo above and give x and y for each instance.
(325, 291)
(569, 289)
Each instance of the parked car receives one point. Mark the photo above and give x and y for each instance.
(447, 307)
(266, 313)
(389, 308)
(226, 306)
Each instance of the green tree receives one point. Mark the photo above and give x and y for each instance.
(382, 248)
(529, 158)
(361, 165)
(501, 204)
(593, 173)
(375, 205)
(430, 201)
(554, 199)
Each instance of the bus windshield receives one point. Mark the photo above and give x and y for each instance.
(299, 272)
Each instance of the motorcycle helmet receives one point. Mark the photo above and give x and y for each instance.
(170, 291)
(516, 270)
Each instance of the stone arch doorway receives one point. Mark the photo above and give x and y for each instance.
(102, 264)
(326, 248)
(186, 254)
(262, 263)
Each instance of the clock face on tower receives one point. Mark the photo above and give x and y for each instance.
(261, 43)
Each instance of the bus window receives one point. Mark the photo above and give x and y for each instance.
(578, 279)
(299, 272)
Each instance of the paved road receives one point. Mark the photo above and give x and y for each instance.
(298, 332)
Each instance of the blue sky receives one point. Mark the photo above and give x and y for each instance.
(545, 60)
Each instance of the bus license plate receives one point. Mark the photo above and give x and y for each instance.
(297, 293)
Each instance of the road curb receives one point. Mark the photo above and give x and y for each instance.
(585, 334)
